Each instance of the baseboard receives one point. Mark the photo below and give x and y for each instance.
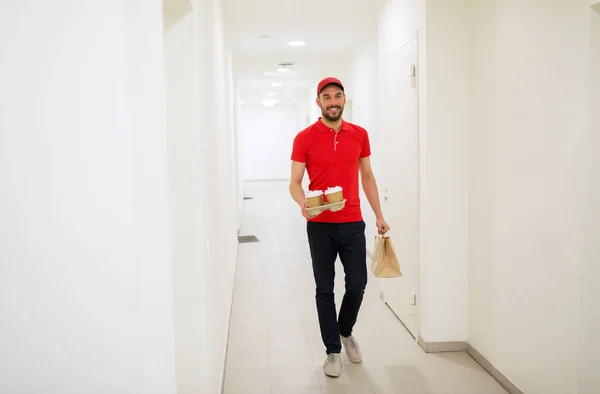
(224, 365)
(228, 333)
(460, 346)
(439, 347)
(496, 374)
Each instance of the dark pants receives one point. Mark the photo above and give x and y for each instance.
(326, 241)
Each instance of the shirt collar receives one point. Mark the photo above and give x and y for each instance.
(323, 128)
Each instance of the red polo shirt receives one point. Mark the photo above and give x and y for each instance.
(332, 160)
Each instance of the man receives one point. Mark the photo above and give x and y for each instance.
(333, 151)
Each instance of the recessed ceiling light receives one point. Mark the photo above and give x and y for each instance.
(265, 36)
(269, 102)
(271, 94)
(275, 84)
(296, 43)
(283, 69)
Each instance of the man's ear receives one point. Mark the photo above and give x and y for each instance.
(318, 101)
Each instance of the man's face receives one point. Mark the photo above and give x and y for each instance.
(331, 100)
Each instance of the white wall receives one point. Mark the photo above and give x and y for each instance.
(266, 136)
(219, 191)
(519, 226)
(529, 173)
(98, 199)
(590, 343)
(85, 289)
(362, 89)
(203, 167)
(443, 127)
(186, 163)
(509, 182)
(399, 22)
(147, 114)
(238, 148)
(444, 265)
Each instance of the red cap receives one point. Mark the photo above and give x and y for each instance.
(327, 81)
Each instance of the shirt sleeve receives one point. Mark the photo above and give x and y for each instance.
(366, 147)
(299, 150)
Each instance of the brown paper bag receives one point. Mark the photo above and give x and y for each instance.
(384, 263)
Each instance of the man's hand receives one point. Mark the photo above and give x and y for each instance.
(305, 213)
(382, 226)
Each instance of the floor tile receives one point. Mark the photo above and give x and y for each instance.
(348, 389)
(291, 360)
(288, 344)
(240, 361)
(251, 329)
(242, 378)
(298, 391)
(417, 388)
(285, 331)
(390, 374)
(246, 390)
(444, 366)
(292, 379)
(478, 385)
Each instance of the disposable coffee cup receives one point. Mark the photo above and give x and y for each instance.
(334, 195)
(314, 198)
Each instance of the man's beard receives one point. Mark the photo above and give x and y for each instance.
(332, 118)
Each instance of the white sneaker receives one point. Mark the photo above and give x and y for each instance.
(333, 365)
(352, 349)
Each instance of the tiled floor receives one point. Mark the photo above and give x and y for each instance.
(275, 345)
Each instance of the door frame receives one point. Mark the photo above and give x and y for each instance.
(420, 156)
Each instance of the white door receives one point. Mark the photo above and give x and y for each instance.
(401, 178)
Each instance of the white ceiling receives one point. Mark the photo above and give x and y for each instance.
(331, 30)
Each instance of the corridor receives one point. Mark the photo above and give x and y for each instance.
(130, 131)
(274, 345)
